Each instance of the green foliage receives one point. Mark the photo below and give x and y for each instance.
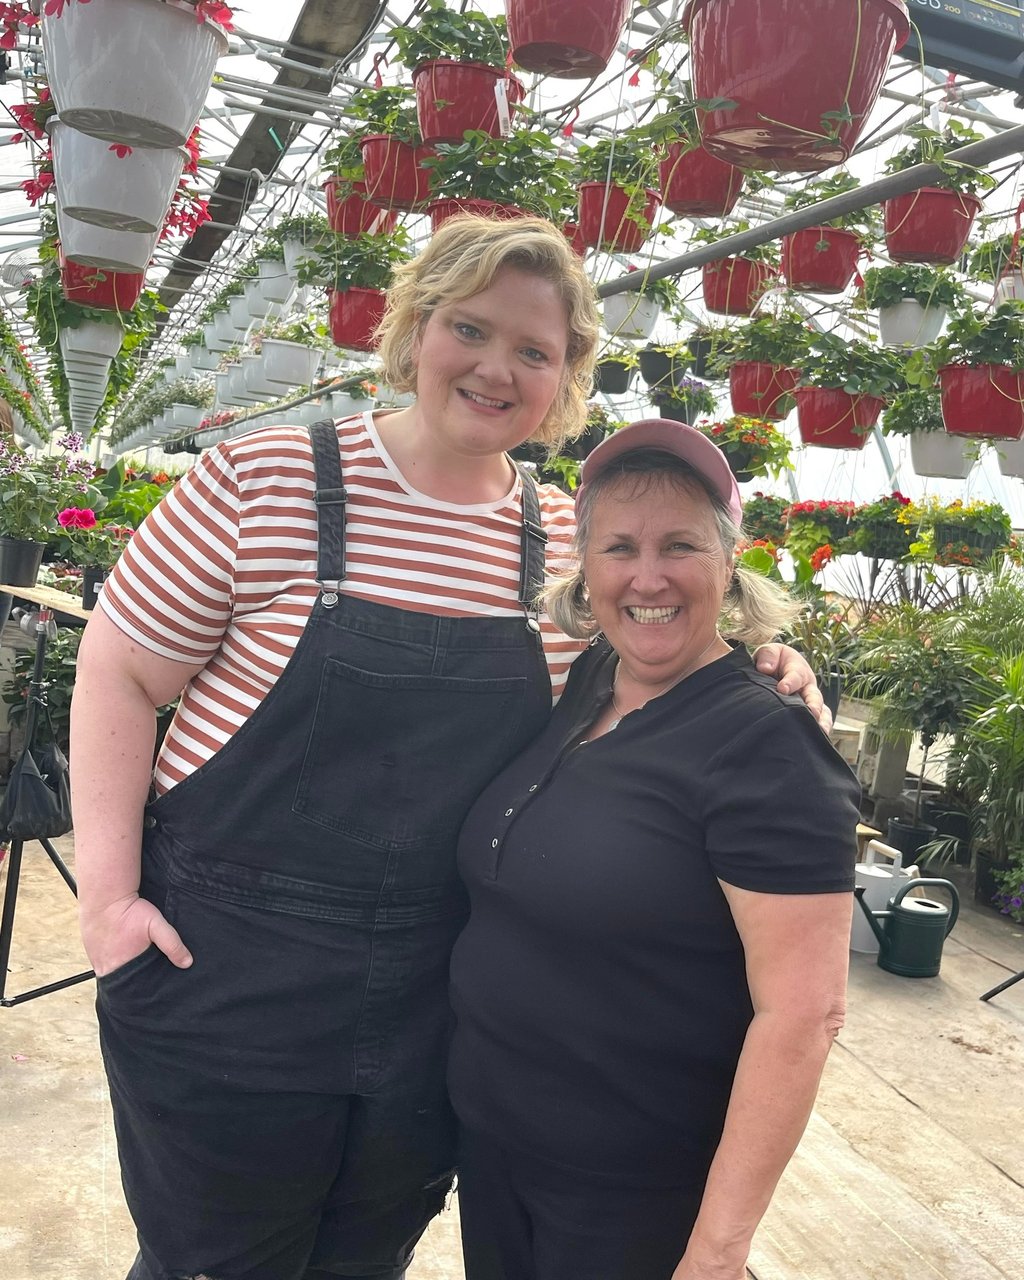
(990, 259)
(444, 32)
(344, 160)
(915, 410)
(930, 147)
(764, 518)
(854, 366)
(975, 337)
(34, 489)
(524, 169)
(364, 261)
(768, 253)
(751, 444)
(888, 286)
(59, 674)
(389, 109)
(867, 223)
(626, 159)
(782, 339)
(310, 228)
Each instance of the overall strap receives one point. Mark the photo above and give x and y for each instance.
(534, 540)
(330, 498)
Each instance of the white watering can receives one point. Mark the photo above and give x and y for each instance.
(879, 880)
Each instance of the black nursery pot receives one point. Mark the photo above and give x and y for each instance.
(702, 349)
(93, 578)
(613, 377)
(660, 368)
(908, 837)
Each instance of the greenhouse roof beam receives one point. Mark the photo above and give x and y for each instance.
(997, 147)
(953, 109)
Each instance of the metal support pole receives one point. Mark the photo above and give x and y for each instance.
(976, 153)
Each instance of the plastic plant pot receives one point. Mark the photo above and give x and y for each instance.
(604, 221)
(95, 337)
(983, 400)
(441, 210)
(566, 39)
(820, 259)
(354, 316)
(93, 246)
(630, 315)
(696, 184)
(761, 390)
(930, 225)
(452, 97)
(99, 287)
(354, 214)
(733, 286)
(908, 325)
(937, 453)
(393, 172)
(834, 419)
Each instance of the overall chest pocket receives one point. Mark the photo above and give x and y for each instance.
(395, 761)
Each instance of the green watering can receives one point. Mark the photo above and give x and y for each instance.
(911, 931)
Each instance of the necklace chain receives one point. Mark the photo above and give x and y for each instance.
(619, 713)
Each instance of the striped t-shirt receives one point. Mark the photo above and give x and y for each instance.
(223, 572)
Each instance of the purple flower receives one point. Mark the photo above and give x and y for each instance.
(73, 442)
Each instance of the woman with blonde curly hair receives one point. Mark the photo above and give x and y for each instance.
(349, 616)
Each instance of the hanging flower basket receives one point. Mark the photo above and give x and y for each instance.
(760, 390)
(93, 338)
(125, 193)
(930, 225)
(441, 210)
(604, 218)
(289, 364)
(613, 376)
(354, 316)
(630, 315)
(962, 544)
(1011, 457)
(275, 281)
(94, 246)
(820, 259)
(452, 97)
(130, 71)
(834, 419)
(733, 286)
(393, 172)
(695, 184)
(938, 454)
(796, 78)
(95, 287)
(662, 366)
(908, 325)
(354, 214)
(983, 400)
(571, 40)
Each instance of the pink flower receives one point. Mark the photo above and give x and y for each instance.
(77, 518)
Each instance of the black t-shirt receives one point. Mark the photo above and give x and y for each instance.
(599, 986)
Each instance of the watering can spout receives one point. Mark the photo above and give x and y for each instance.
(872, 917)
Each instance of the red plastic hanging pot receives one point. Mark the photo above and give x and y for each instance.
(95, 287)
(354, 316)
(393, 172)
(452, 97)
(733, 286)
(603, 221)
(695, 184)
(984, 400)
(441, 210)
(761, 390)
(783, 67)
(574, 235)
(930, 225)
(834, 419)
(569, 39)
(352, 215)
(820, 259)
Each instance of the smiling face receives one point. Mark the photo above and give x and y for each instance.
(491, 365)
(656, 574)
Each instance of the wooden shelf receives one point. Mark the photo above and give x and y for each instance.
(48, 598)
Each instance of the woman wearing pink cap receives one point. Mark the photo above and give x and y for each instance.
(661, 885)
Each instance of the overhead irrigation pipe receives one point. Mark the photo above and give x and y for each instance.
(896, 184)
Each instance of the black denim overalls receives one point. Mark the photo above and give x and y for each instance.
(280, 1106)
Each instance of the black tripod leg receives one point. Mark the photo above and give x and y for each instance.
(10, 902)
(61, 866)
(1002, 986)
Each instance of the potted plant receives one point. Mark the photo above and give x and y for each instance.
(291, 352)
(617, 207)
(998, 260)
(764, 518)
(823, 259)
(693, 183)
(390, 146)
(664, 363)
(711, 349)
(980, 361)
(733, 286)
(615, 369)
(500, 177)
(302, 237)
(933, 224)
(822, 633)
(764, 359)
(917, 414)
(684, 399)
(966, 534)
(843, 388)
(350, 211)
(457, 60)
(779, 103)
(93, 546)
(813, 525)
(634, 314)
(571, 40)
(912, 302)
(360, 272)
(752, 446)
(878, 532)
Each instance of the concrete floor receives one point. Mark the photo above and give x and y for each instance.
(912, 1167)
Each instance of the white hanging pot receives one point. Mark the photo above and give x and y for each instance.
(238, 312)
(934, 453)
(101, 247)
(255, 303)
(225, 328)
(225, 394)
(214, 342)
(132, 71)
(289, 364)
(345, 406)
(255, 380)
(187, 415)
(125, 193)
(277, 283)
(86, 361)
(183, 366)
(1010, 287)
(94, 337)
(628, 315)
(909, 325)
(297, 251)
(203, 360)
(1011, 457)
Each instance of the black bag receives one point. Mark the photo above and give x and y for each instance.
(37, 805)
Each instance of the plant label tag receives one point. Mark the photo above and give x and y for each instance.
(504, 115)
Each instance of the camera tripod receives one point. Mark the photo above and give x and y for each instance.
(45, 631)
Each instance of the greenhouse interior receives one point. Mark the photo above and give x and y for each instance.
(203, 208)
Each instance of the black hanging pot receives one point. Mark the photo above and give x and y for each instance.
(613, 376)
(662, 368)
(676, 410)
(703, 349)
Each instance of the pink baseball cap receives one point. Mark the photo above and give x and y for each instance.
(673, 437)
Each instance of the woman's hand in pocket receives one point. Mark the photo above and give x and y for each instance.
(117, 933)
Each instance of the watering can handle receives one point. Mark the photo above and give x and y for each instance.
(954, 908)
(878, 846)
